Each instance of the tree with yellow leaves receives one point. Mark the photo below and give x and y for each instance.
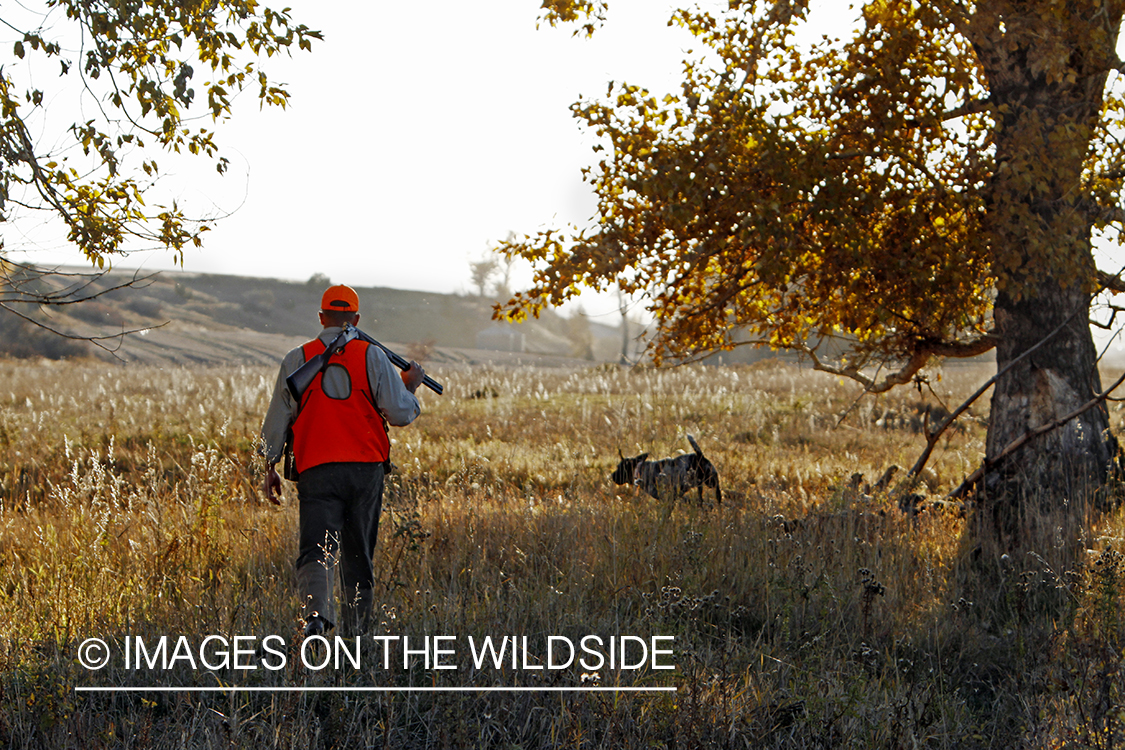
(928, 186)
(136, 66)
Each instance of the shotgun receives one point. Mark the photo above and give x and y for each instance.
(304, 375)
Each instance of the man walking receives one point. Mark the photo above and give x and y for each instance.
(340, 446)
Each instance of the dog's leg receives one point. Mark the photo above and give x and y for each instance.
(714, 477)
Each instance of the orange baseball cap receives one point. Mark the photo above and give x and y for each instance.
(340, 297)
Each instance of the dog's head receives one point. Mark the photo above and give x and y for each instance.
(623, 474)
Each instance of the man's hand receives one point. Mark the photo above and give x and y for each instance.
(412, 376)
(271, 485)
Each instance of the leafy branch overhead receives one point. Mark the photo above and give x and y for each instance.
(141, 64)
(881, 188)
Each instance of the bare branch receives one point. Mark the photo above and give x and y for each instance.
(962, 349)
(1111, 325)
(14, 289)
(1019, 442)
(933, 437)
(95, 340)
(855, 155)
(1104, 214)
(916, 362)
(976, 106)
(1112, 283)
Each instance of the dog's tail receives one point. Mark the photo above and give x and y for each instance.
(695, 445)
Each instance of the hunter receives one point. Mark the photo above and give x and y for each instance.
(341, 452)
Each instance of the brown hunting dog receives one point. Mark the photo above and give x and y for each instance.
(670, 476)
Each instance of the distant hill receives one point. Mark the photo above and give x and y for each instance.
(193, 318)
(213, 319)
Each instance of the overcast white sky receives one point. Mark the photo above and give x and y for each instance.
(422, 133)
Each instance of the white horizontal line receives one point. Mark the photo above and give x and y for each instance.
(296, 689)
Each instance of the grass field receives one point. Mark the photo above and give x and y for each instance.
(804, 613)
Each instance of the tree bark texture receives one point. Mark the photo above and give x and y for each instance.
(1040, 231)
(1055, 380)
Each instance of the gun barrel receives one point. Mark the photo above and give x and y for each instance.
(402, 364)
(303, 377)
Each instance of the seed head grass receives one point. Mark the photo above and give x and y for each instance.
(809, 609)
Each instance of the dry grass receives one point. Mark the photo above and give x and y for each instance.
(805, 614)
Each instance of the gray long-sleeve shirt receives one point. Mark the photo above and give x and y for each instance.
(397, 405)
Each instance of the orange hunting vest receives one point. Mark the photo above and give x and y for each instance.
(330, 430)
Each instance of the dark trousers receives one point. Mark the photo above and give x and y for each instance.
(340, 505)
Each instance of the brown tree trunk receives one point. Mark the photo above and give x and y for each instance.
(1058, 378)
(1046, 76)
